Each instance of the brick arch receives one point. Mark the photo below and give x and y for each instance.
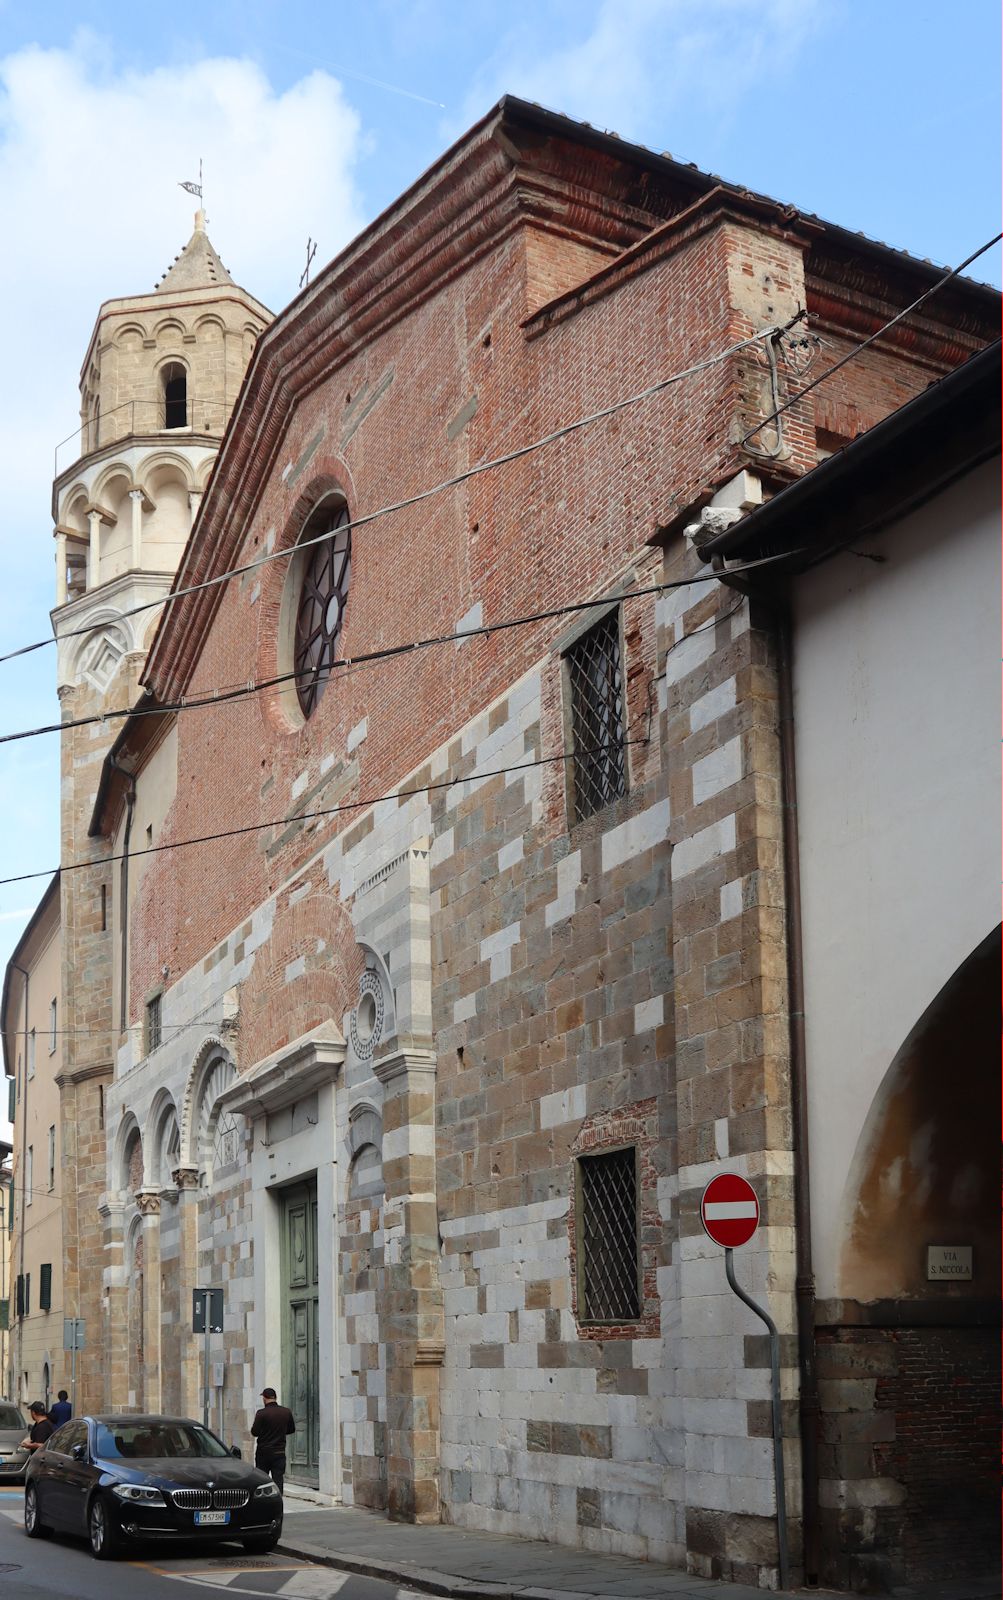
(312, 938)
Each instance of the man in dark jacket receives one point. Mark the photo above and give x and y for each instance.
(271, 1427)
(62, 1411)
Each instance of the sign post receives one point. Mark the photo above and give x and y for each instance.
(729, 1211)
(207, 1318)
(74, 1339)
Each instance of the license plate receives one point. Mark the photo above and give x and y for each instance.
(205, 1519)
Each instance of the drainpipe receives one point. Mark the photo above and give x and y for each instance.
(24, 1176)
(130, 806)
(804, 1287)
(804, 1283)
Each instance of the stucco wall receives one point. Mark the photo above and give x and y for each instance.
(897, 719)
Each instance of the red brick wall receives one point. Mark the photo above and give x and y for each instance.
(551, 528)
(914, 1412)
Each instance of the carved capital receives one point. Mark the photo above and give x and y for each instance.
(185, 1177)
(148, 1201)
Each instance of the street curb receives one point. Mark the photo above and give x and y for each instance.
(424, 1578)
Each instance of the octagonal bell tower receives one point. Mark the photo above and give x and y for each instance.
(159, 380)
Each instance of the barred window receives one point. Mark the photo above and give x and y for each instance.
(608, 1267)
(153, 1024)
(595, 683)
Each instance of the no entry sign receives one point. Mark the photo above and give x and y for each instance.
(729, 1210)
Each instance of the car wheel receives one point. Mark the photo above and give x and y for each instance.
(260, 1546)
(34, 1527)
(102, 1531)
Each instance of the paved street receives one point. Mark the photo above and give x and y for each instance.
(60, 1566)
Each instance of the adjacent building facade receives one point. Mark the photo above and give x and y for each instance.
(889, 589)
(31, 1019)
(445, 940)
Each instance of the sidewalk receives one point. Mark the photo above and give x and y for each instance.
(443, 1560)
(482, 1566)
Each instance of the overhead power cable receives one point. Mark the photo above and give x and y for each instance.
(329, 811)
(852, 355)
(424, 494)
(223, 694)
(372, 800)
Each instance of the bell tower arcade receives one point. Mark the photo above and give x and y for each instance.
(158, 383)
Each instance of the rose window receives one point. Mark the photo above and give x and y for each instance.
(322, 606)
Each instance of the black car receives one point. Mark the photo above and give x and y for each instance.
(123, 1480)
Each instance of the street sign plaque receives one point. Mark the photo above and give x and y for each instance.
(729, 1210)
(73, 1333)
(204, 1300)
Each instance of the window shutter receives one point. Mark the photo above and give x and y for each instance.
(45, 1286)
(11, 1096)
(19, 1296)
(4, 1315)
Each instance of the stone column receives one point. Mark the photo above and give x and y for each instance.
(149, 1206)
(194, 501)
(115, 1333)
(60, 568)
(137, 497)
(94, 520)
(413, 1328)
(186, 1181)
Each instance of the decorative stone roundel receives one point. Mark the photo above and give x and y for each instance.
(366, 1024)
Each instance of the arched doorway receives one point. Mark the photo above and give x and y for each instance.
(909, 1375)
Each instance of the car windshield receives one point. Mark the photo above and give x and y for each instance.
(144, 1441)
(10, 1417)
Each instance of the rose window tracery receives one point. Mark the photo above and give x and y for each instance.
(323, 596)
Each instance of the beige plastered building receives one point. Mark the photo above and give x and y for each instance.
(33, 1269)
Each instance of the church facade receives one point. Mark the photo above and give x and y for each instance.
(437, 906)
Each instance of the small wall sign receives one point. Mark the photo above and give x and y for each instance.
(949, 1261)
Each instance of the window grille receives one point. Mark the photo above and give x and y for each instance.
(608, 1277)
(597, 732)
(153, 1024)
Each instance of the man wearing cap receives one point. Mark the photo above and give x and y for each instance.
(41, 1428)
(271, 1427)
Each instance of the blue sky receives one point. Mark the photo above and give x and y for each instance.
(876, 114)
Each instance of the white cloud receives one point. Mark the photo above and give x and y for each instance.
(90, 159)
(645, 61)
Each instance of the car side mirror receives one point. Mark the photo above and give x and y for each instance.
(79, 1452)
(235, 1450)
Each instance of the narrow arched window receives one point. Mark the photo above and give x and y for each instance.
(175, 381)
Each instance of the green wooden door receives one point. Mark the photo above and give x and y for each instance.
(300, 1335)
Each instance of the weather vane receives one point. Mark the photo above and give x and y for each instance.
(311, 251)
(195, 188)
